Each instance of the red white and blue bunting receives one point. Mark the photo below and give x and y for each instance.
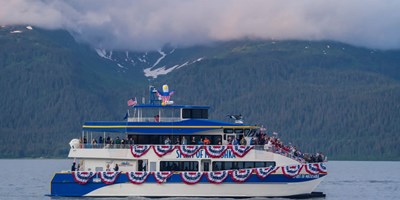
(215, 151)
(162, 150)
(241, 150)
(137, 177)
(139, 150)
(241, 175)
(191, 177)
(82, 177)
(108, 177)
(322, 168)
(189, 150)
(161, 177)
(265, 171)
(291, 170)
(217, 177)
(312, 168)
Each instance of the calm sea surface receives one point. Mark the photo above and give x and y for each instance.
(30, 179)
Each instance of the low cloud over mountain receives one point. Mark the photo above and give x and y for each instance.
(148, 24)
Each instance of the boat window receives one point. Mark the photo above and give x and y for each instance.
(194, 113)
(179, 166)
(227, 165)
(238, 130)
(228, 130)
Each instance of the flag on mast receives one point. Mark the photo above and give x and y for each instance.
(132, 102)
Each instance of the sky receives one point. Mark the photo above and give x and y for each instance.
(149, 24)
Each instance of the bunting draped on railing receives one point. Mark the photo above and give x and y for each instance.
(217, 177)
(312, 168)
(162, 150)
(191, 177)
(265, 171)
(241, 175)
(82, 177)
(161, 177)
(137, 177)
(139, 150)
(291, 170)
(322, 168)
(240, 150)
(215, 151)
(109, 177)
(189, 150)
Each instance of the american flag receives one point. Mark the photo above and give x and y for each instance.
(132, 102)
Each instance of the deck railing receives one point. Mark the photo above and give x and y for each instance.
(153, 119)
(301, 158)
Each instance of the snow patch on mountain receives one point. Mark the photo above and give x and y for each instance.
(16, 31)
(159, 59)
(103, 53)
(154, 73)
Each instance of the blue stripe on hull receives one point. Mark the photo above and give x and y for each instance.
(65, 185)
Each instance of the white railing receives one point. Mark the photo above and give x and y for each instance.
(304, 158)
(152, 119)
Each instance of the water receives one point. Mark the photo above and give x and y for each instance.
(30, 179)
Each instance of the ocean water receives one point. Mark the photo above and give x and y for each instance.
(30, 179)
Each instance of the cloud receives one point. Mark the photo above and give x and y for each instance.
(150, 24)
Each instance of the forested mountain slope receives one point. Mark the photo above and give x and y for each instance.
(326, 96)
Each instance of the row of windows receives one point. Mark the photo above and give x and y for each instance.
(179, 166)
(226, 165)
(216, 165)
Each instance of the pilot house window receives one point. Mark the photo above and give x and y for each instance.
(194, 113)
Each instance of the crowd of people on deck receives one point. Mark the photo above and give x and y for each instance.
(107, 142)
(260, 140)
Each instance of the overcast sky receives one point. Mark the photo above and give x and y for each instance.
(150, 24)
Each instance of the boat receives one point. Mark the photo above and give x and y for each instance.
(165, 150)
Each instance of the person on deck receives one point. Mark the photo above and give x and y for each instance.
(184, 141)
(73, 168)
(167, 141)
(206, 141)
(116, 168)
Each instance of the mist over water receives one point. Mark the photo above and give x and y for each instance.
(30, 179)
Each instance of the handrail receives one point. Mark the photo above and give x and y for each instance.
(303, 158)
(152, 119)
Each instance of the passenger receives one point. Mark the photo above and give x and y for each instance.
(78, 168)
(167, 141)
(243, 141)
(193, 141)
(131, 141)
(101, 140)
(201, 142)
(94, 143)
(235, 141)
(219, 142)
(184, 141)
(177, 142)
(229, 140)
(118, 142)
(116, 168)
(206, 141)
(73, 168)
(157, 118)
(108, 167)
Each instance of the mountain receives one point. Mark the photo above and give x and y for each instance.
(326, 96)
